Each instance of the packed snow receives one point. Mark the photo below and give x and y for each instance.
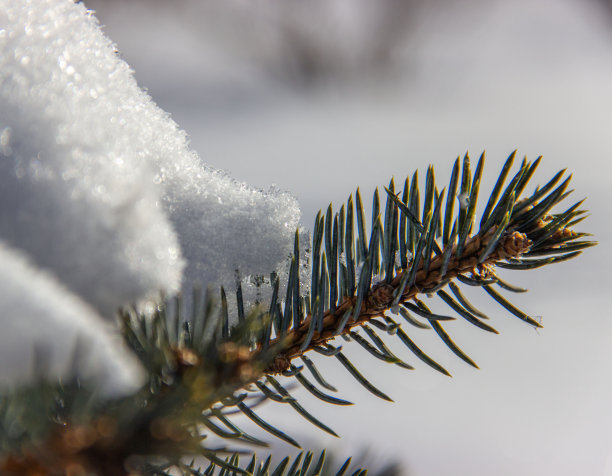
(99, 188)
(77, 193)
(44, 327)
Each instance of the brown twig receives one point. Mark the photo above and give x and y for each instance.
(381, 296)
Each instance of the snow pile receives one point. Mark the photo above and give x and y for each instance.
(225, 226)
(69, 328)
(99, 188)
(76, 192)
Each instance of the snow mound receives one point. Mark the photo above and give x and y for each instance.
(76, 132)
(98, 185)
(41, 316)
(225, 226)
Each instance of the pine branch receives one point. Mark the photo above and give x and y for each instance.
(382, 297)
(512, 233)
(206, 368)
(356, 281)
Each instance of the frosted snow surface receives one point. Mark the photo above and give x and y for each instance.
(40, 316)
(102, 201)
(221, 232)
(98, 185)
(75, 189)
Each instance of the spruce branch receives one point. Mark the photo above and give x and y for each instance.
(356, 282)
(382, 297)
(207, 367)
(513, 232)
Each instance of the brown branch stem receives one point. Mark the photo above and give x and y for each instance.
(381, 295)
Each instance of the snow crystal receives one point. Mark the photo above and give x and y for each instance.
(41, 316)
(398, 261)
(359, 268)
(225, 226)
(76, 188)
(464, 200)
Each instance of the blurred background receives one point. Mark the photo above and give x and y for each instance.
(319, 96)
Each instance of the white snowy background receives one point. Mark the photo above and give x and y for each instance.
(325, 96)
(469, 75)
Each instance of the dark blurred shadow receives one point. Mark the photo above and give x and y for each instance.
(299, 42)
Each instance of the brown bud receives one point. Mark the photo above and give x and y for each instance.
(380, 297)
(280, 364)
(563, 234)
(514, 245)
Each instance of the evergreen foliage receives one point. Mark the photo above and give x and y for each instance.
(369, 280)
